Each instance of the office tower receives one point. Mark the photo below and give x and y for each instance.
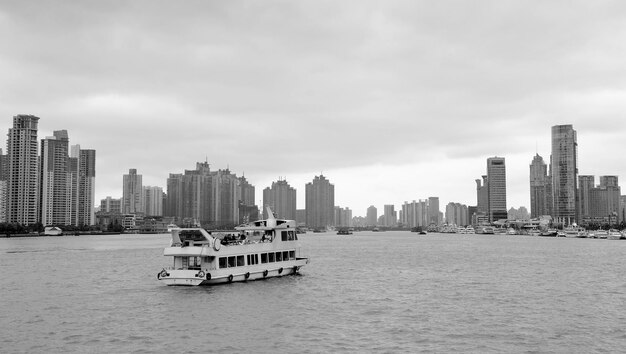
(110, 205)
(372, 216)
(409, 216)
(585, 185)
(54, 194)
(281, 198)
(564, 171)
(4, 175)
(247, 192)
(538, 187)
(391, 218)
(496, 188)
(320, 202)
(131, 193)
(433, 211)
(22, 181)
(153, 200)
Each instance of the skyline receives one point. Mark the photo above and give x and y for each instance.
(407, 98)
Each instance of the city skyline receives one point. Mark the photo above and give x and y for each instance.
(408, 99)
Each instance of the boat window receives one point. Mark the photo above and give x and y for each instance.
(222, 262)
(231, 261)
(279, 256)
(271, 257)
(292, 254)
(248, 259)
(256, 259)
(285, 255)
(263, 257)
(191, 235)
(240, 261)
(284, 236)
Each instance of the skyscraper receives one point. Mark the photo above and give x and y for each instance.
(3, 186)
(390, 216)
(433, 211)
(131, 193)
(320, 202)
(538, 187)
(281, 198)
(496, 188)
(585, 185)
(153, 200)
(55, 202)
(482, 196)
(85, 213)
(564, 171)
(372, 216)
(22, 195)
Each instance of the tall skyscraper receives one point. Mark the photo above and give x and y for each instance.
(23, 194)
(564, 171)
(482, 196)
(372, 216)
(390, 216)
(496, 187)
(55, 196)
(153, 200)
(4, 175)
(131, 193)
(281, 197)
(538, 187)
(433, 211)
(320, 202)
(226, 197)
(85, 214)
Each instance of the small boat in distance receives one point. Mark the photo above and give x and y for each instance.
(344, 232)
(256, 250)
(52, 231)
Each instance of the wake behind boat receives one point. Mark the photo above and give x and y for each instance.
(257, 250)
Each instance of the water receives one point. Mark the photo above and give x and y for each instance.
(369, 292)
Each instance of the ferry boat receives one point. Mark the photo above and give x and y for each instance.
(256, 250)
(613, 234)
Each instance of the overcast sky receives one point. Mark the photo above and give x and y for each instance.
(392, 101)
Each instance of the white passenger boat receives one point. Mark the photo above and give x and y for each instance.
(613, 234)
(257, 250)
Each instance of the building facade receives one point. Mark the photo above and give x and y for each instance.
(496, 188)
(131, 193)
(320, 203)
(372, 216)
(55, 182)
(22, 180)
(538, 187)
(564, 171)
(281, 198)
(153, 200)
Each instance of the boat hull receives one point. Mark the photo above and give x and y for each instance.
(185, 277)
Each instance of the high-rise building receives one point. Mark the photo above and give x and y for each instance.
(372, 216)
(621, 217)
(496, 188)
(281, 198)
(153, 200)
(190, 195)
(564, 171)
(457, 214)
(585, 185)
(343, 217)
(3, 186)
(538, 187)
(131, 193)
(226, 197)
(434, 217)
(390, 216)
(83, 201)
(54, 194)
(22, 194)
(320, 202)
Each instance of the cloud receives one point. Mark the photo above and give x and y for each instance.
(290, 88)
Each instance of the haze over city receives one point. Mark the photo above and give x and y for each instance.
(391, 101)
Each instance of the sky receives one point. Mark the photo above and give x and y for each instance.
(392, 101)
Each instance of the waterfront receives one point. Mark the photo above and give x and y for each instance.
(381, 292)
